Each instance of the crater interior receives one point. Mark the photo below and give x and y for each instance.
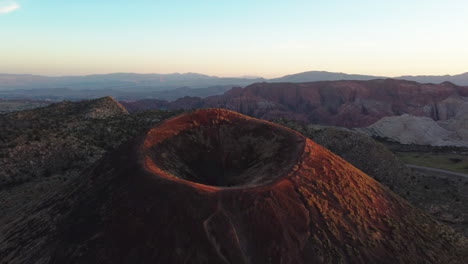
(229, 153)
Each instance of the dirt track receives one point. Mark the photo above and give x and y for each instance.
(446, 172)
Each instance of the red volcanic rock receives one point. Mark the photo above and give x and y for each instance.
(214, 186)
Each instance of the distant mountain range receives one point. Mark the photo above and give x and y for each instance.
(132, 86)
(314, 76)
(460, 79)
(155, 82)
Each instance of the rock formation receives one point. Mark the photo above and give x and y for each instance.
(340, 103)
(93, 109)
(408, 129)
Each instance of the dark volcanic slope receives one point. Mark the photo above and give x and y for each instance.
(341, 103)
(152, 202)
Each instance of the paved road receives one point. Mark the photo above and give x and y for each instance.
(446, 172)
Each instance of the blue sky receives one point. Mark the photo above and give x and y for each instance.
(233, 38)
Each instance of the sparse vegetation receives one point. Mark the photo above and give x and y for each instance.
(62, 139)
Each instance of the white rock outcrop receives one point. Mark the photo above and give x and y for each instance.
(409, 129)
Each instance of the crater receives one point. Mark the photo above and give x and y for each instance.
(224, 149)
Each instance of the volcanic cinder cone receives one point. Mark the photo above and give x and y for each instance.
(214, 186)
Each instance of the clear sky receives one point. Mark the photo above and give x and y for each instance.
(233, 38)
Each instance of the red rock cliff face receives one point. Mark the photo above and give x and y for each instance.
(342, 103)
(214, 186)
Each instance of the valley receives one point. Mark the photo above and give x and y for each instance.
(446, 161)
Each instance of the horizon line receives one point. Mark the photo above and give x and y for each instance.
(245, 76)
